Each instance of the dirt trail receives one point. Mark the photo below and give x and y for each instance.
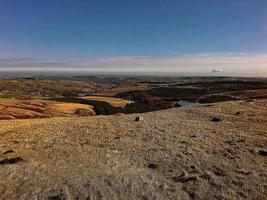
(173, 154)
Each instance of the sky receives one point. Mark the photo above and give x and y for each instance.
(186, 37)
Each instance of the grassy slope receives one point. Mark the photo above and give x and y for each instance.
(116, 102)
(110, 157)
(26, 109)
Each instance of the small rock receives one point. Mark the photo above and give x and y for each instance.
(216, 119)
(139, 119)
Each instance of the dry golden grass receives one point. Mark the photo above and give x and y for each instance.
(24, 109)
(68, 108)
(173, 154)
(116, 102)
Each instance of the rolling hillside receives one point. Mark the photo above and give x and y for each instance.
(202, 152)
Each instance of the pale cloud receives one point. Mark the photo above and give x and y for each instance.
(216, 70)
(196, 64)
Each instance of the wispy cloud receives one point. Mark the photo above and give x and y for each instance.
(217, 70)
(196, 64)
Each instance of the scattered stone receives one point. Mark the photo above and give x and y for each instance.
(216, 119)
(262, 152)
(139, 119)
(9, 161)
(152, 166)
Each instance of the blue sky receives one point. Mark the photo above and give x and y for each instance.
(56, 31)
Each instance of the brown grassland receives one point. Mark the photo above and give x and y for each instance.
(24, 109)
(173, 154)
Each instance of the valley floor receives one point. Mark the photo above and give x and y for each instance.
(173, 154)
